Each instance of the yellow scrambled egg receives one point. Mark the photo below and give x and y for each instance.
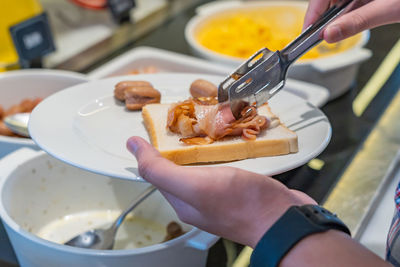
(242, 32)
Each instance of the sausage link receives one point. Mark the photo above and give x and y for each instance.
(202, 88)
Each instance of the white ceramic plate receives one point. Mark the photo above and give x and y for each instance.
(167, 61)
(86, 127)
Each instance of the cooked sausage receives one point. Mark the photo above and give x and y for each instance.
(122, 86)
(173, 231)
(203, 88)
(4, 130)
(1, 112)
(137, 97)
(13, 110)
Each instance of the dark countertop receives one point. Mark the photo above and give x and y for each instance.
(349, 131)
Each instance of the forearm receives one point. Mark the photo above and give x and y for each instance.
(331, 248)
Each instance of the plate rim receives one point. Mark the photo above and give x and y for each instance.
(132, 176)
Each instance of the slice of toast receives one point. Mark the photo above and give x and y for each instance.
(276, 140)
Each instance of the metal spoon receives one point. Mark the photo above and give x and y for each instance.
(18, 123)
(104, 238)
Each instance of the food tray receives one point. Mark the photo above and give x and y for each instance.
(153, 59)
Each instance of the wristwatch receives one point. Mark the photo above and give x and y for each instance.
(295, 224)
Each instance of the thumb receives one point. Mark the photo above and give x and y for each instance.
(154, 168)
(150, 163)
(181, 182)
(141, 148)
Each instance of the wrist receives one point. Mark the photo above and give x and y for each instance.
(269, 218)
(297, 223)
(304, 252)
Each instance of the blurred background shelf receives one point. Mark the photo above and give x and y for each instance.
(85, 37)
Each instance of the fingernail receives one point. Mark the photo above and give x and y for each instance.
(333, 34)
(132, 145)
(305, 26)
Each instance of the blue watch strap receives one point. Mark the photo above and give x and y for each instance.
(297, 223)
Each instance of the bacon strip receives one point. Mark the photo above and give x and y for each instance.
(204, 121)
(197, 140)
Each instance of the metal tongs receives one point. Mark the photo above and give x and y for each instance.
(263, 74)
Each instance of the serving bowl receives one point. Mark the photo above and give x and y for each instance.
(332, 66)
(33, 83)
(43, 199)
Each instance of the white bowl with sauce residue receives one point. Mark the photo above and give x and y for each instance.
(45, 202)
(18, 85)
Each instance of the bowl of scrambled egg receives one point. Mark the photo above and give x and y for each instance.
(230, 32)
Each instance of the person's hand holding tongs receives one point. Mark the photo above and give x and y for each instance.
(264, 73)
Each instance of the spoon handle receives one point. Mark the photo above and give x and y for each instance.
(133, 205)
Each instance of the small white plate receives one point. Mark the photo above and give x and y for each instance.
(86, 127)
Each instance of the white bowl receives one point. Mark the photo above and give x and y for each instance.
(37, 190)
(19, 84)
(336, 72)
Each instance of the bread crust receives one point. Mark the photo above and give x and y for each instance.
(149, 124)
(226, 149)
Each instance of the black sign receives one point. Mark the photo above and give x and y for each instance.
(32, 38)
(120, 9)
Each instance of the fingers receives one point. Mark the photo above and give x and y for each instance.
(370, 15)
(315, 10)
